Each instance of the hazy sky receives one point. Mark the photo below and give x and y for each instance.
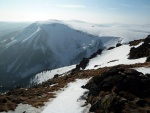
(95, 11)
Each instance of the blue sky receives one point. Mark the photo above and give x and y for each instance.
(95, 11)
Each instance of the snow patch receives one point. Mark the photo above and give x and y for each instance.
(144, 70)
(69, 101)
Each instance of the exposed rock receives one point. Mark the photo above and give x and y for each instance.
(147, 40)
(148, 59)
(118, 44)
(85, 61)
(112, 90)
(136, 42)
(110, 48)
(142, 103)
(56, 76)
(82, 64)
(141, 51)
(98, 52)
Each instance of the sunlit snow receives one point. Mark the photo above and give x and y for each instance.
(144, 70)
(113, 57)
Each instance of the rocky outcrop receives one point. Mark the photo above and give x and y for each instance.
(119, 90)
(85, 61)
(98, 52)
(148, 59)
(110, 48)
(147, 40)
(136, 42)
(82, 64)
(118, 44)
(141, 51)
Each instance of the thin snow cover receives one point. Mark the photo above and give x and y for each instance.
(69, 101)
(144, 70)
(45, 75)
(25, 108)
(113, 57)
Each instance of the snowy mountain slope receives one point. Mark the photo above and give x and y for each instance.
(68, 98)
(42, 46)
(41, 37)
(46, 75)
(113, 57)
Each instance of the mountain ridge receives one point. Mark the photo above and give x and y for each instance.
(122, 74)
(43, 46)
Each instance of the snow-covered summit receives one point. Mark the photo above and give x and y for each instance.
(43, 46)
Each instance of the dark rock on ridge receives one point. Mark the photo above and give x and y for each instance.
(141, 51)
(118, 44)
(110, 48)
(85, 61)
(136, 42)
(148, 59)
(117, 90)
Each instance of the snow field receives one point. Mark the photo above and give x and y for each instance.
(113, 57)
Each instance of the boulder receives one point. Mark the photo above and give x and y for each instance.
(118, 44)
(148, 59)
(147, 40)
(141, 51)
(112, 90)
